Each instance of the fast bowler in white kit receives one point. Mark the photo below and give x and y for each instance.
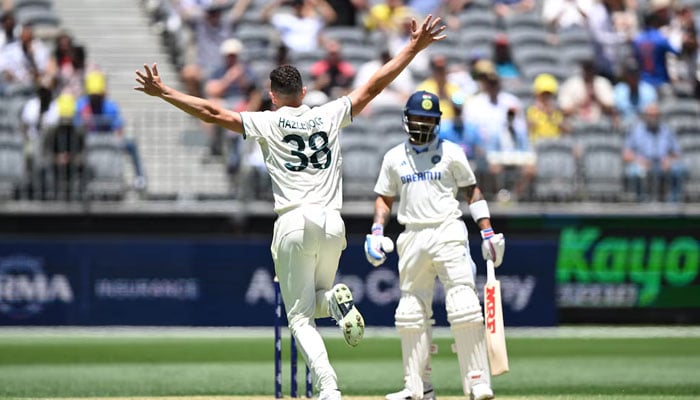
(302, 153)
(427, 174)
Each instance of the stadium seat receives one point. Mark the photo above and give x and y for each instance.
(469, 36)
(447, 49)
(40, 18)
(388, 124)
(12, 165)
(591, 133)
(602, 170)
(528, 37)
(570, 38)
(680, 111)
(387, 111)
(556, 177)
(105, 167)
(571, 56)
(477, 19)
(361, 162)
(532, 69)
(346, 34)
(691, 158)
(523, 20)
(358, 53)
(524, 55)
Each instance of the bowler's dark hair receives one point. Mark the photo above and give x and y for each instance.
(286, 80)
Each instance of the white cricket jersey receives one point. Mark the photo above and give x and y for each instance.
(301, 149)
(426, 182)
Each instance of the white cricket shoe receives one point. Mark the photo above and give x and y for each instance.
(481, 390)
(405, 394)
(343, 310)
(333, 394)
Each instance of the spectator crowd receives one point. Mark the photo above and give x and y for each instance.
(526, 87)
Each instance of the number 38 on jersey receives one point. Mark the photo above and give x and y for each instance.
(320, 156)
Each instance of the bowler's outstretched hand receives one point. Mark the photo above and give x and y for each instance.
(429, 31)
(150, 81)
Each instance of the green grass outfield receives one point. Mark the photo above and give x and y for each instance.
(574, 363)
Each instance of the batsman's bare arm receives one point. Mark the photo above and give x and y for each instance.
(382, 209)
(203, 109)
(421, 37)
(473, 194)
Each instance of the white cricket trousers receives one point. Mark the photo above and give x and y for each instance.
(428, 251)
(306, 247)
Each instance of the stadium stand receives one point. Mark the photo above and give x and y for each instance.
(602, 171)
(691, 156)
(105, 167)
(557, 171)
(120, 36)
(172, 144)
(12, 171)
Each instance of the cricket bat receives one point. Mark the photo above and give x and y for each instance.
(495, 335)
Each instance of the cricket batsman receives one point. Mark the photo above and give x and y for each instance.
(427, 174)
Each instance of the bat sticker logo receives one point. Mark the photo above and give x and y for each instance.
(491, 309)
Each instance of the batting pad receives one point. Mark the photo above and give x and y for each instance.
(471, 352)
(414, 348)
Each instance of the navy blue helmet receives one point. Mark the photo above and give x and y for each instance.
(421, 117)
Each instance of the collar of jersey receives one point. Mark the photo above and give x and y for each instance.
(296, 111)
(422, 148)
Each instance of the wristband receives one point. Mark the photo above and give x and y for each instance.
(479, 210)
(486, 233)
(378, 229)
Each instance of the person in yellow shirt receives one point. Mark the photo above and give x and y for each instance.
(445, 90)
(387, 16)
(544, 119)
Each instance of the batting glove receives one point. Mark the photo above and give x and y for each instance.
(376, 245)
(493, 246)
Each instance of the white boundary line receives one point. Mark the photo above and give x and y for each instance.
(583, 332)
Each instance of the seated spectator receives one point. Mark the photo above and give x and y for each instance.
(397, 38)
(610, 35)
(632, 95)
(348, 12)
(210, 29)
(398, 90)
(425, 7)
(332, 75)
(24, 62)
(559, 15)
(227, 86)
(683, 35)
(38, 115)
(505, 8)
(652, 154)
(438, 83)
(502, 59)
(8, 26)
(544, 118)
(301, 28)
(502, 128)
(450, 11)
(510, 151)
(68, 64)
(387, 17)
(651, 48)
(253, 173)
(64, 149)
(97, 113)
(587, 97)
(468, 138)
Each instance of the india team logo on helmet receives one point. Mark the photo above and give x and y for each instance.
(422, 116)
